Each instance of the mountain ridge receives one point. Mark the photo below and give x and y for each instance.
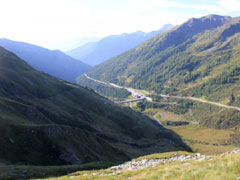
(53, 62)
(94, 53)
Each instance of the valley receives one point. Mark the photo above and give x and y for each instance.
(195, 73)
(139, 103)
(199, 138)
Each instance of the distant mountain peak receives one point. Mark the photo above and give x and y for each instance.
(208, 21)
(197, 25)
(215, 16)
(110, 46)
(167, 26)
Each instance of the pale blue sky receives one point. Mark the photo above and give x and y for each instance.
(65, 24)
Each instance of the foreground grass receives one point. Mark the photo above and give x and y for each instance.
(205, 140)
(219, 168)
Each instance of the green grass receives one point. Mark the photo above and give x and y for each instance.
(163, 155)
(220, 167)
(200, 138)
(161, 115)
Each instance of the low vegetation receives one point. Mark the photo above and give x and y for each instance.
(217, 167)
(200, 138)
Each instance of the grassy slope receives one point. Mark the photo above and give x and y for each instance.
(198, 58)
(220, 167)
(207, 140)
(45, 121)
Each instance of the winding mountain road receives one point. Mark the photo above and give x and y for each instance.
(135, 93)
(143, 97)
(201, 100)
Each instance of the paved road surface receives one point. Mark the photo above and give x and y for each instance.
(142, 97)
(201, 100)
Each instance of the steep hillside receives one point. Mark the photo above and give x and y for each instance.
(55, 63)
(198, 58)
(94, 53)
(47, 121)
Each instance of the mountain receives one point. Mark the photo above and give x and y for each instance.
(199, 58)
(55, 63)
(94, 53)
(48, 121)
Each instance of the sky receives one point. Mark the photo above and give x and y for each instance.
(67, 24)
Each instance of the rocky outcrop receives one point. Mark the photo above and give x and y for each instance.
(144, 163)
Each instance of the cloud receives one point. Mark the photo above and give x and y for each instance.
(45, 22)
(229, 5)
(216, 6)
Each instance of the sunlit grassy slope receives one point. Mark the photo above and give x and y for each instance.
(201, 139)
(220, 167)
(198, 58)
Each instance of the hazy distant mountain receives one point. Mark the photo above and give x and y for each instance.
(94, 53)
(55, 63)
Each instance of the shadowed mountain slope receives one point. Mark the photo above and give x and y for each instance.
(47, 121)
